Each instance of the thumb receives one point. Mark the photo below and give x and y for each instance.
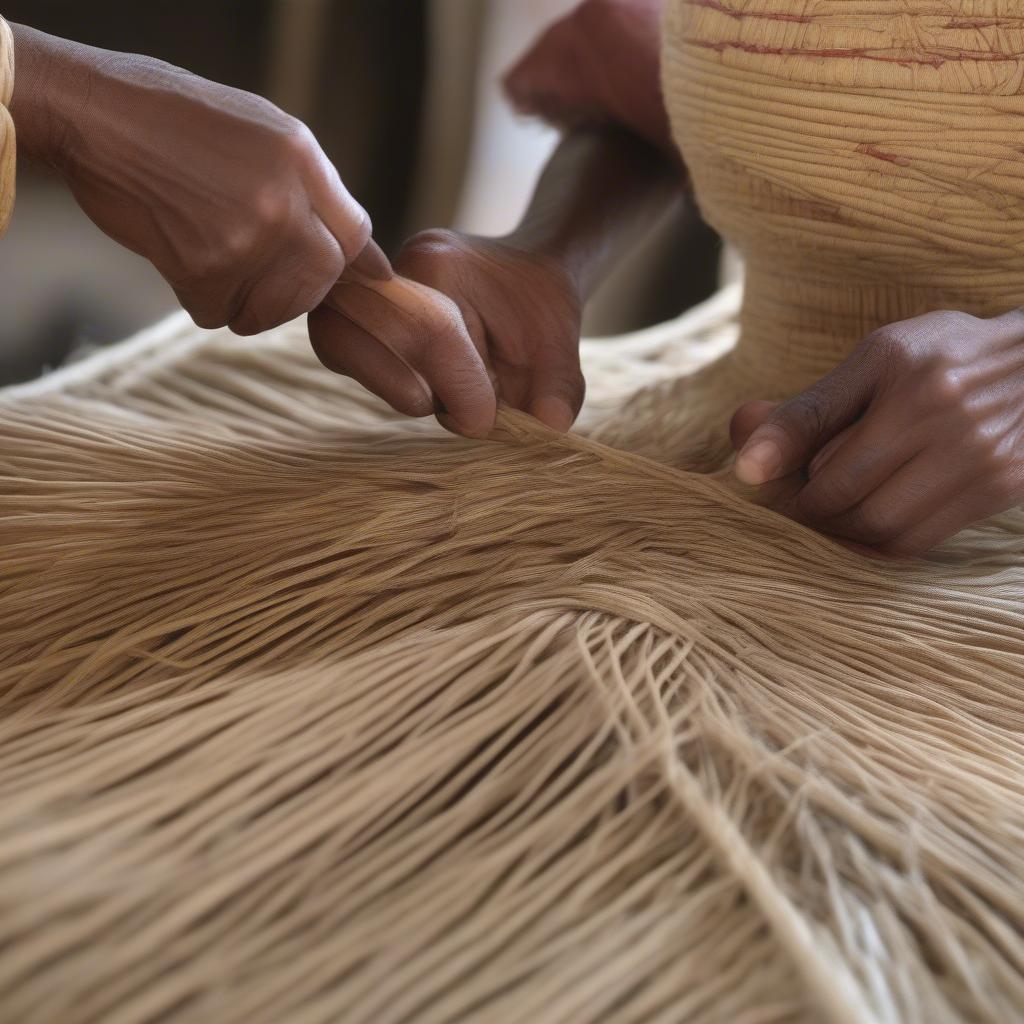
(793, 432)
(371, 264)
(746, 419)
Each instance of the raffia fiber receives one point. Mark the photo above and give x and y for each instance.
(311, 714)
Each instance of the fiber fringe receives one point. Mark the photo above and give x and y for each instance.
(314, 714)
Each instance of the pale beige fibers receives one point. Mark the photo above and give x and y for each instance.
(315, 714)
(309, 713)
(8, 149)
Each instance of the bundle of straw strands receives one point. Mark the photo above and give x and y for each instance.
(311, 714)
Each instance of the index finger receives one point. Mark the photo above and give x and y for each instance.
(793, 432)
(425, 330)
(332, 202)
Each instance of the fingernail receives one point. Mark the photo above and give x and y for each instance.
(478, 431)
(758, 463)
(553, 412)
(372, 264)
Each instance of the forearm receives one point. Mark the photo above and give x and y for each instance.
(601, 192)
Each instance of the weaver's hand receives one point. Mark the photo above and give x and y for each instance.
(232, 200)
(917, 435)
(521, 317)
(598, 66)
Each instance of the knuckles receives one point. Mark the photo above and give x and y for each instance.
(942, 385)
(271, 205)
(950, 321)
(432, 253)
(928, 362)
(296, 144)
(934, 386)
(265, 211)
(913, 345)
(257, 253)
(892, 350)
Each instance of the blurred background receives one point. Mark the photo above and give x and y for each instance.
(404, 97)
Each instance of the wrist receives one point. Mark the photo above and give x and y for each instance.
(600, 191)
(552, 248)
(50, 81)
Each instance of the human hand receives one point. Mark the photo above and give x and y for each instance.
(598, 65)
(917, 435)
(232, 200)
(522, 314)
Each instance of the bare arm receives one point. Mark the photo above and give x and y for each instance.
(520, 296)
(612, 178)
(599, 195)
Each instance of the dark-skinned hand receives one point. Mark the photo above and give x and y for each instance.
(513, 334)
(231, 199)
(919, 434)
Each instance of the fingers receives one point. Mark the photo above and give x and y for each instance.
(291, 280)
(296, 282)
(913, 438)
(944, 523)
(855, 464)
(747, 419)
(557, 387)
(924, 502)
(425, 332)
(910, 495)
(371, 265)
(346, 348)
(543, 379)
(791, 434)
(343, 217)
(824, 456)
